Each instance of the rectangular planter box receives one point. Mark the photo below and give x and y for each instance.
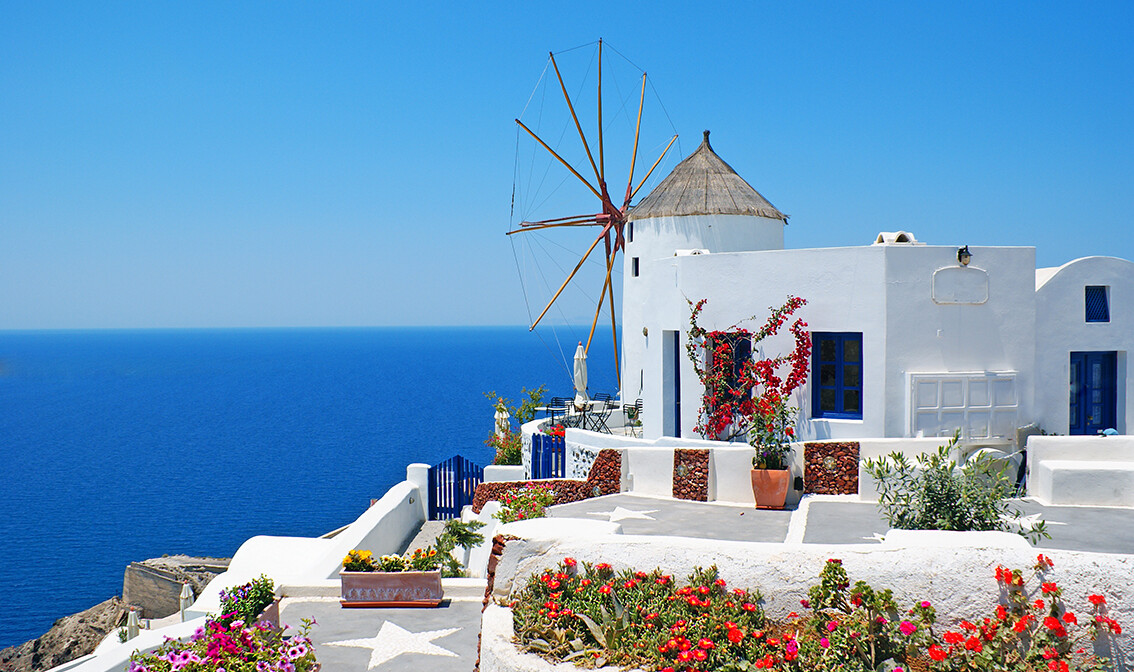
(391, 589)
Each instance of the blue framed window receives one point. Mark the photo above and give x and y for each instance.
(1098, 308)
(836, 375)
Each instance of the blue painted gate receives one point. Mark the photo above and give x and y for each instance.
(549, 456)
(452, 485)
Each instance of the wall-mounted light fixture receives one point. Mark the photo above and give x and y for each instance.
(964, 256)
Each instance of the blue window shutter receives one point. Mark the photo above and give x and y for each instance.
(836, 375)
(1098, 308)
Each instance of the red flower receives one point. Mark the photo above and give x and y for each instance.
(735, 636)
(1097, 600)
(1070, 618)
(570, 562)
(953, 637)
(1048, 587)
(973, 644)
(937, 653)
(706, 643)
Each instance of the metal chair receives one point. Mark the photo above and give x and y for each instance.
(633, 413)
(557, 409)
(599, 412)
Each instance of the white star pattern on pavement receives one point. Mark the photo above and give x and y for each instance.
(620, 513)
(392, 641)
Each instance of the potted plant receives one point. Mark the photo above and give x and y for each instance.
(412, 580)
(770, 437)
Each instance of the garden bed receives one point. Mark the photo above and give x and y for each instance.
(959, 582)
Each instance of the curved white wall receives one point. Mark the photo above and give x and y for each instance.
(1061, 328)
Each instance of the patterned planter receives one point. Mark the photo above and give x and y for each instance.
(391, 589)
(769, 487)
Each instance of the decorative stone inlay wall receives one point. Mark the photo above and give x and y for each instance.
(605, 478)
(830, 468)
(691, 474)
(580, 459)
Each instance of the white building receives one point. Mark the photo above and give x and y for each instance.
(925, 344)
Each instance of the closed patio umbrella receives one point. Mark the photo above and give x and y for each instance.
(580, 377)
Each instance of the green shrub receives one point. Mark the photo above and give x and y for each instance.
(934, 494)
(245, 602)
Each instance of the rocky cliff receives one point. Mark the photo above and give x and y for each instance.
(152, 587)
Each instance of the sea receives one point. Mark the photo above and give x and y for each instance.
(122, 445)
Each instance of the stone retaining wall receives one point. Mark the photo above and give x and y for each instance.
(830, 468)
(691, 474)
(605, 478)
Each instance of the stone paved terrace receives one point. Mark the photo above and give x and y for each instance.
(445, 638)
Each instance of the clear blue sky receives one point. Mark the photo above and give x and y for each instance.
(294, 164)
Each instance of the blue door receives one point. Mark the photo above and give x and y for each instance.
(1094, 385)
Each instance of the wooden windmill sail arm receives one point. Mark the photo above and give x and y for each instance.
(573, 272)
(654, 166)
(578, 126)
(601, 159)
(561, 160)
(602, 297)
(637, 130)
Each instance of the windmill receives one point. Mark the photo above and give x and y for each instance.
(611, 218)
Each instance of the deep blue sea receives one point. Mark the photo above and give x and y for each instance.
(124, 445)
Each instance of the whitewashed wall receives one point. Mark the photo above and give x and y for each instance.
(1061, 328)
(887, 292)
(652, 299)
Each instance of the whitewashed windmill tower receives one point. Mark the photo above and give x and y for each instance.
(701, 207)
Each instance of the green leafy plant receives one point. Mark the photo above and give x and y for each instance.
(508, 445)
(245, 602)
(934, 494)
(525, 502)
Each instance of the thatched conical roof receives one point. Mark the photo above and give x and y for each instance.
(703, 184)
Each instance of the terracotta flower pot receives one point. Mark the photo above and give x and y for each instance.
(391, 589)
(769, 487)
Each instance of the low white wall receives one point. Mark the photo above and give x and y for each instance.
(384, 528)
(648, 471)
(497, 473)
(959, 581)
(1083, 470)
(1107, 448)
(114, 656)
